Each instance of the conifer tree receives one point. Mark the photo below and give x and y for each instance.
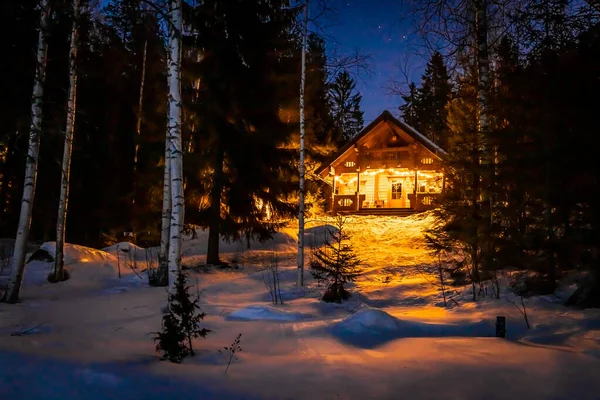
(435, 93)
(462, 217)
(181, 323)
(345, 106)
(425, 108)
(242, 143)
(337, 263)
(410, 110)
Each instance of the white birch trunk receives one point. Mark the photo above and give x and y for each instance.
(175, 149)
(68, 147)
(138, 125)
(163, 256)
(31, 164)
(300, 277)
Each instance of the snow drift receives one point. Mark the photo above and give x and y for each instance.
(264, 313)
(370, 327)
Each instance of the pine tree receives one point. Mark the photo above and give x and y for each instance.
(171, 341)
(180, 324)
(410, 110)
(462, 217)
(241, 145)
(434, 95)
(345, 106)
(319, 122)
(425, 108)
(337, 263)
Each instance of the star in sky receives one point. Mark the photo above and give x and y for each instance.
(376, 27)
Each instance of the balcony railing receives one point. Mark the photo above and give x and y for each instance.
(424, 201)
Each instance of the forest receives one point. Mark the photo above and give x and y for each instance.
(508, 91)
(239, 77)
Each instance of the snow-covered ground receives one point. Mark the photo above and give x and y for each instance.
(88, 338)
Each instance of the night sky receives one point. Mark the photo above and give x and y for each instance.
(376, 27)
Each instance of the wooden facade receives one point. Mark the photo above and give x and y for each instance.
(387, 166)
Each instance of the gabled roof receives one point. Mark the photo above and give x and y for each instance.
(385, 116)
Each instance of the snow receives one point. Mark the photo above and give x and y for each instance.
(263, 313)
(89, 337)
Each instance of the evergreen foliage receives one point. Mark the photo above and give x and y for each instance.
(240, 132)
(336, 263)
(180, 324)
(345, 107)
(425, 108)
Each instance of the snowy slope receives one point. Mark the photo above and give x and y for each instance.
(87, 338)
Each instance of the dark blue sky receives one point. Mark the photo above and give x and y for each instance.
(376, 27)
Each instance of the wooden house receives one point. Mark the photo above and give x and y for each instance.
(388, 168)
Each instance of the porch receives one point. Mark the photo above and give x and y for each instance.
(386, 191)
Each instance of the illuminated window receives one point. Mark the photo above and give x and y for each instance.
(396, 190)
(350, 164)
(427, 201)
(427, 161)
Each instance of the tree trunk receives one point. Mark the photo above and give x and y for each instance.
(138, 125)
(300, 277)
(59, 261)
(8, 179)
(31, 164)
(214, 232)
(483, 65)
(162, 276)
(175, 150)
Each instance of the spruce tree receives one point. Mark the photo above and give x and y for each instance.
(409, 111)
(345, 106)
(462, 218)
(434, 95)
(242, 136)
(171, 341)
(425, 108)
(180, 324)
(336, 263)
(319, 122)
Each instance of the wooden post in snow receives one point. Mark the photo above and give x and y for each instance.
(501, 326)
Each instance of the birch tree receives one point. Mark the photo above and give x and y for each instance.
(31, 164)
(175, 153)
(301, 206)
(138, 125)
(162, 278)
(68, 148)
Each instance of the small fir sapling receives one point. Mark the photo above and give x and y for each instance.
(170, 341)
(180, 324)
(337, 262)
(229, 352)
